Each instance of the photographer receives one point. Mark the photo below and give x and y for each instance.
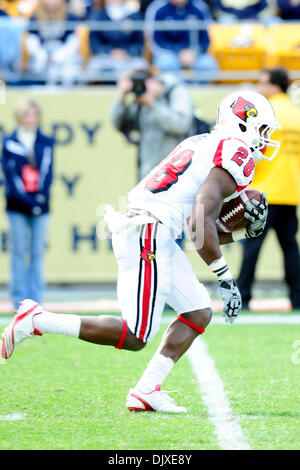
(153, 111)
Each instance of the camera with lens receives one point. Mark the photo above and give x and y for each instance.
(139, 78)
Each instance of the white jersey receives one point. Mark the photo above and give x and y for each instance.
(169, 190)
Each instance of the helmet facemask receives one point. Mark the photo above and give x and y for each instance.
(260, 140)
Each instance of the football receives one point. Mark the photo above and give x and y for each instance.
(231, 217)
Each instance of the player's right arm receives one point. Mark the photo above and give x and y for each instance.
(232, 172)
(218, 185)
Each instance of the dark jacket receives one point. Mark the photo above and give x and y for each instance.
(288, 11)
(51, 33)
(251, 11)
(176, 40)
(27, 182)
(103, 42)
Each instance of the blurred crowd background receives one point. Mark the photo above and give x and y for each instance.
(84, 41)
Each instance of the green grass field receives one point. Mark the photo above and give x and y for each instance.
(62, 393)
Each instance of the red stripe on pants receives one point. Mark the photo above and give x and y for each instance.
(147, 284)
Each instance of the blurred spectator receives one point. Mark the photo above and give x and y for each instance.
(78, 8)
(211, 6)
(280, 180)
(11, 34)
(18, 8)
(88, 6)
(174, 50)
(251, 10)
(289, 9)
(53, 50)
(153, 111)
(27, 159)
(118, 49)
(144, 5)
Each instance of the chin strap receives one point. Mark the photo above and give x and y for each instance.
(257, 155)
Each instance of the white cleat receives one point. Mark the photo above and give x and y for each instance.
(157, 400)
(21, 327)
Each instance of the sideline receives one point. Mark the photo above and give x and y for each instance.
(111, 305)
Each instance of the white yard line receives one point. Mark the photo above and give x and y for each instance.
(12, 417)
(227, 428)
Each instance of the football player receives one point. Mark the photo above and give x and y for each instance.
(191, 185)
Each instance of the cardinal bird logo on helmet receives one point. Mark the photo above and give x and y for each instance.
(243, 109)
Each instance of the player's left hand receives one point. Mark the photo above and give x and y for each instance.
(257, 213)
(230, 293)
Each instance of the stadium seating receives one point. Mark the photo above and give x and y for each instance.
(238, 46)
(252, 46)
(283, 45)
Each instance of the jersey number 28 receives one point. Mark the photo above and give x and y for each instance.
(240, 156)
(168, 173)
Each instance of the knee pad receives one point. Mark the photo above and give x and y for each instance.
(191, 324)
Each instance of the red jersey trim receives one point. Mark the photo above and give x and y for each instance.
(241, 188)
(218, 161)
